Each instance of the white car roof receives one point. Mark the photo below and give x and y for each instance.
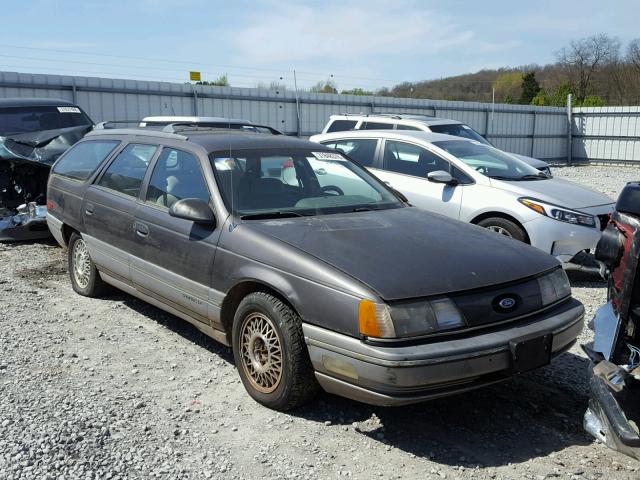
(408, 135)
(191, 119)
(404, 119)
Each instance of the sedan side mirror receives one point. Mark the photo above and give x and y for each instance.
(193, 209)
(440, 176)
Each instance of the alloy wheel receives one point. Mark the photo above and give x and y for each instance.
(81, 267)
(500, 230)
(261, 352)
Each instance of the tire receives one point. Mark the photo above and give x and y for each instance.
(504, 227)
(85, 280)
(270, 353)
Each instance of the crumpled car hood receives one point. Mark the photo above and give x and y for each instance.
(43, 147)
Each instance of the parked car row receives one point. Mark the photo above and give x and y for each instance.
(355, 262)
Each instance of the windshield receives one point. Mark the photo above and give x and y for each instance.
(275, 182)
(459, 130)
(15, 120)
(490, 161)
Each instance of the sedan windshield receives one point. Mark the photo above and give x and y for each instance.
(459, 130)
(490, 161)
(275, 183)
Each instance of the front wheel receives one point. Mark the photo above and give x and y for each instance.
(270, 353)
(504, 227)
(84, 275)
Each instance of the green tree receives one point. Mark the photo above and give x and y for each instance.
(530, 87)
(508, 85)
(221, 81)
(327, 86)
(356, 91)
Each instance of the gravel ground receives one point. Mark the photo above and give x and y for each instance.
(114, 388)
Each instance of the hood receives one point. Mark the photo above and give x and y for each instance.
(557, 191)
(407, 253)
(42, 147)
(534, 162)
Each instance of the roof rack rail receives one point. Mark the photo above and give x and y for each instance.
(197, 127)
(107, 124)
(100, 130)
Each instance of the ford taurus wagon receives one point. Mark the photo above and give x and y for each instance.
(318, 275)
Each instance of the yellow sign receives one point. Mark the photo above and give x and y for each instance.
(195, 76)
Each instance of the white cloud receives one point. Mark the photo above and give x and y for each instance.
(345, 30)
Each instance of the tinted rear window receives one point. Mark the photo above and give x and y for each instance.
(341, 126)
(81, 160)
(376, 126)
(34, 119)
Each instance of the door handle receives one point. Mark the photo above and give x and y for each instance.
(141, 229)
(88, 209)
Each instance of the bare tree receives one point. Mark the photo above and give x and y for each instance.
(633, 53)
(584, 57)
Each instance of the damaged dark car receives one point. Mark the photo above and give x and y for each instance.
(613, 415)
(33, 134)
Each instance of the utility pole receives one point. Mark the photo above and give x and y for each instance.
(569, 130)
(295, 85)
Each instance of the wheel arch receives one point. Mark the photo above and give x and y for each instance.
(506, 216)
(239, 291)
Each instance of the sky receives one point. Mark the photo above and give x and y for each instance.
(367, 44)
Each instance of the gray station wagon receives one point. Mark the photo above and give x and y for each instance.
(315, 272)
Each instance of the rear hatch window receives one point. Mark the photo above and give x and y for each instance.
(29, 119)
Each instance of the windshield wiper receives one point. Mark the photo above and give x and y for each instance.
(501, 177)
(276, 214)
(539, 176)
(364, 209)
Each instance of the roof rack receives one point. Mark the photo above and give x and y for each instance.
(99, 131)
(197, 127)
(397, 116)
(108, 124)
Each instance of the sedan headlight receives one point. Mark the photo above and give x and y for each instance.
(554, 286)
(408, 319)
(559, 213)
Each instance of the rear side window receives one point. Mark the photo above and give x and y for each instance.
(81, 160)
(126, 172)
(406, 127)
(342, 126)
(411, 159)
(177, 175)
(362, 150)
(376, 126)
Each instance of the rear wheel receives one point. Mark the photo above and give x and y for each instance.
(504, 227)
(270, 353)
(84, 275)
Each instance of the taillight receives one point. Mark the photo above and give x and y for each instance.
(50, 205)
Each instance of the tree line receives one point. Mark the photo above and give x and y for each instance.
(597, 70)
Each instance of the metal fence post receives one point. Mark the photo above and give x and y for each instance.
(533, 133)
(195, 100)
(569, 129)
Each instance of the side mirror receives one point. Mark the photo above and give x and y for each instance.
(440, 176)
(195, 210)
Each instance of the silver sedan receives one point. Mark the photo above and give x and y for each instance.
(479, 184)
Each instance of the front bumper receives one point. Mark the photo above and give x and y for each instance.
(401, 375)
(606, 421)
(560, 239)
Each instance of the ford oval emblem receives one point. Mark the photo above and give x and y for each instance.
(507, 303)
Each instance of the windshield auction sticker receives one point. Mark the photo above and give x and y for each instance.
(328, 156)
(68, 109)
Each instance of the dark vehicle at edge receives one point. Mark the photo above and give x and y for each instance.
(613, 415)
(34, 132)
(315, 272)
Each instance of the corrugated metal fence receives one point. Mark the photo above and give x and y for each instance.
(606, 134)
(542, 132)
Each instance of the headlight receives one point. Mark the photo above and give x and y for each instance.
(408, 319)
(559, 213)
(554, 286)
